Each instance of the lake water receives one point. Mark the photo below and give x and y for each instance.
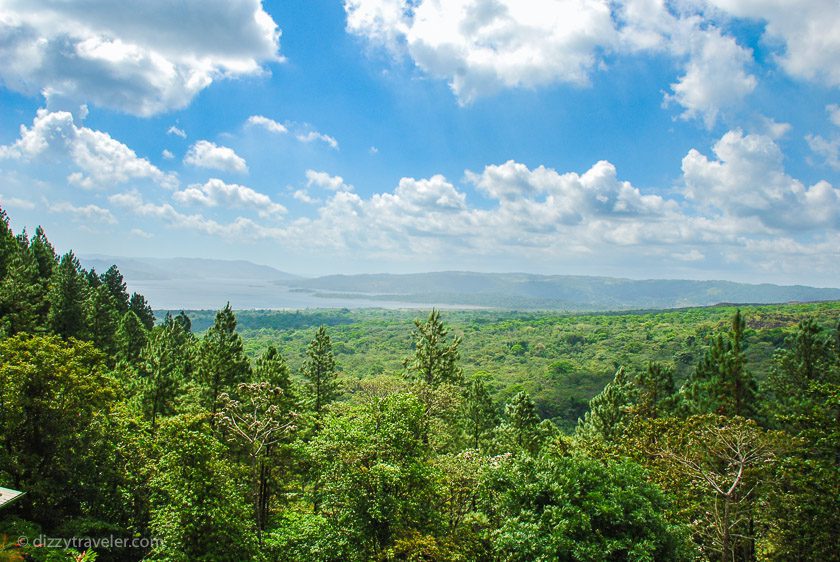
(212, 294)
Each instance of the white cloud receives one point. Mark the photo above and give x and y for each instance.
(833, 113)
(829, 150)
(326, 181)
(167, 154)
(806, 31)
(373, 150)
(99, 160)
(311, 136)
(216, 193)
(269, 125)
(303, 196)
(140, 233)
(141, 58)
(205, 154)
(84, 212)
(173, 130)
(480, 46)
(16, 202)
(748, 180)
(239, 229)
(715, 77)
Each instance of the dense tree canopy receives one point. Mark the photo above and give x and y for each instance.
(703, 434)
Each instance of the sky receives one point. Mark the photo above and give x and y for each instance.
(691, 139)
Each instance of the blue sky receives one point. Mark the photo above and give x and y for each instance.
(637, 138)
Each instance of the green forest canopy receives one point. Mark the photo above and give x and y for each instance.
(698, 434)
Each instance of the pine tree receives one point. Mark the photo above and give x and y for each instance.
(68, 292)
(102, 319)
(435, 359)
(480, 414)
(522, 422)
(608, 410)
(319, 369)
(113, 280)
(44, 253)
(270, 367)
(142, 309)
(47, 262)
(721, 383)
(8, 244)
(131, 338)
(22, 294)
(222, 361)
(165, 368)
(655, 391)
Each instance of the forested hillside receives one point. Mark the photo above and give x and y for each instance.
(711, 434)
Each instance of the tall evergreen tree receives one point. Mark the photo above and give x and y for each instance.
(44, 253)
(130, 338)
(68, 292)
(22, 292)
(142, 309)
(165, 368)
(319, 369)
(102, 319)
(721, 383)
(47, 261)
(655, 391)
(8, 244)
(480, 414)
(222, 361)
(435, 358)
(270, 367)
(607, 413)
(522, 423)
(113, 280)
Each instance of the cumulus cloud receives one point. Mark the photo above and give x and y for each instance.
(140, 58)
(805, 29)
(86, 213)
(216, 193)
(326, 181)
(238, 229)
(747, 180)
(205, 154)
(269, 125)
(715, 77)
(167, 154)
(99, 159)
(482, 46)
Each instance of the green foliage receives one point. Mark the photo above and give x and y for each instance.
(435, 359)
(521, 428)
(607, 413)
(319, 370)
(165, 367)
(373, 479)
(67, 296)
(721, 383)
(221, 361)
(198, 510)
(577, 508)
(51, 395)
(142, 309)
(479, 412)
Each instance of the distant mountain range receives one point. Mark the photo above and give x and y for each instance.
(172, 283)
